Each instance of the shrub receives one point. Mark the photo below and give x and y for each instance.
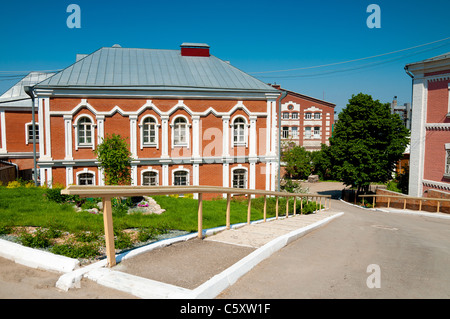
(123, 240)
(76, 250)
(37, 240)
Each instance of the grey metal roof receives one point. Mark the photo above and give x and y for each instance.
(17, 92)
(116, 67)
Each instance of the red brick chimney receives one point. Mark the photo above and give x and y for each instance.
(195, 49)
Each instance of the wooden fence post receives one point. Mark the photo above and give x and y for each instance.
(287, 206)
(295, 205)
(200, 216)
(228, 210)
(109, 231)
(249, 208)
(438, 204)
(276, 209)
(301, 206)
(265, 207)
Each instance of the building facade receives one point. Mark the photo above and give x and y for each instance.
(305, 121)
(430, 127)
(188, 117)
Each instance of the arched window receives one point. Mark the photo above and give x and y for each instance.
(85, 179)
(85, 132)
(180, 134)
(150, 179)
(239, 131)
(149, 131)
(240, 178)
(180, 178)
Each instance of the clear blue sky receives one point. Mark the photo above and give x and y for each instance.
(254, 36)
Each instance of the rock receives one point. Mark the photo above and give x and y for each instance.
(313, 178)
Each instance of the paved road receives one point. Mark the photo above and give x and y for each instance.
(412, 252)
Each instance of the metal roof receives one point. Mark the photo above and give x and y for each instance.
(116, 67)
(16, 93)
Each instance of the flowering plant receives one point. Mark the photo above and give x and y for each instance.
(143, 204)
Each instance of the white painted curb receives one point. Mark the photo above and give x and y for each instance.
(228, 277)
(36, 258)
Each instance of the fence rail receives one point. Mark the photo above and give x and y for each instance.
(108, 192)
(405, 199)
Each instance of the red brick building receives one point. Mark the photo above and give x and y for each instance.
(430, 128)
(189, 118)
(305, 121)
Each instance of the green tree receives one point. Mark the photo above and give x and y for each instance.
(115, 159)
(322, 163)
(367, 142)
(298, 162)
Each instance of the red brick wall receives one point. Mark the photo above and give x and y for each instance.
(437, 102)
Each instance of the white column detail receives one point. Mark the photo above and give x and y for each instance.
(68, 139)
(165, 137)
(226, 136)
(48, 145)
(252, 138)
(133, 136)
(165, 175)
(69, 175)
(196, 136)
(3, 131)
(100, 128)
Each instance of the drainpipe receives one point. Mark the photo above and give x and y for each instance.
(29, 90)
(283, 95)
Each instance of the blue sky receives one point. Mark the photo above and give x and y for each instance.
(255, 36)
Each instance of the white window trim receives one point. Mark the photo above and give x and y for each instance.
(285, 115)
(311, 132)
(310, 116)
(296, 115)
(320, 115)
(29, 139)
(181, 169)
(75, 125)
(188, 138)
(150, 170)
(314, 135)
(246, 172)
(447, 149)
(246, 127)
(141, 129)
(86, 171)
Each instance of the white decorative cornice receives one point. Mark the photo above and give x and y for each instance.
(437, 126)
(438, 185)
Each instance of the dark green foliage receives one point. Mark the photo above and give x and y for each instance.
(298, 162)
(367, 142)
(114, 157)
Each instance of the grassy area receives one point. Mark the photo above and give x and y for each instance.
(40, 217)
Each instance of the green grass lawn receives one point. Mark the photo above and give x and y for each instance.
(31, 207)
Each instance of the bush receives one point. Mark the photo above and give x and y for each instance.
(76, 250)
(37, 240)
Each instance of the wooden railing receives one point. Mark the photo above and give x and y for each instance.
(405, 199)
(108, 192)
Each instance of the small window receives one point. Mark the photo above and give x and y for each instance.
(29, 130)
(317, 116)
(307, 132)
(308, 116)
(294, 132)
(239, 178)
(180, 132)
(239, 131)
(86, 179)
(295, 116)
(180, 178)
(285, 132)
(149, 133)
(285, 116)
(85, 132)
(150, 179)
(317, 132)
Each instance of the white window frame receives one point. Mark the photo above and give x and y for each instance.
(447, 158)
(28, 137)
(187, 131)
(93, 125)
(233, 135)
(246, 176)
(295, 116)
(316, 129)
(308, 116)
(294, 130)
(308, 129)
(285, 115)
(150, 170)
(86, 171)
(180, 169)
(142, 125)
(317, 115)
(284, 132)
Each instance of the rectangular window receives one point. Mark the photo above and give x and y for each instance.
(294, 132)
(316, 132)
(285, 116)
(295, 116)
(308, 116)
(307, 132)
(317, 116)
(447, 166)
(285, 132)
(30, 133)
(239, 178)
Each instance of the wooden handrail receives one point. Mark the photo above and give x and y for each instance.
(108, 192)
(405, 198)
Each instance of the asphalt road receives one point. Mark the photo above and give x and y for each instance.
(398, 255)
